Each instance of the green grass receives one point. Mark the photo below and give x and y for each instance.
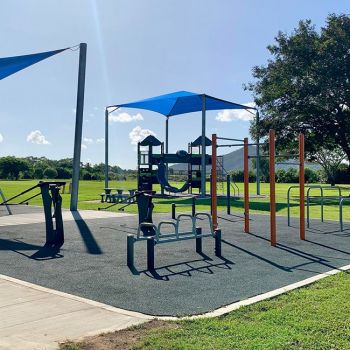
(315, 317)
(89, 191)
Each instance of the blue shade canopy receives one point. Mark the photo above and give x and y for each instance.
(11, 65)
(182, 102)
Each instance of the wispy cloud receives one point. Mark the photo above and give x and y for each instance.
(88, 140)
(100, 140)
(229, 115)
(125, 117)
(83, 146)
(137, 134)
(1, 138)
(37, 137)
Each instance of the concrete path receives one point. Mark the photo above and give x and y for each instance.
(38, 217)
(34, 317)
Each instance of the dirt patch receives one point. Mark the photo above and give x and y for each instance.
(119, 340)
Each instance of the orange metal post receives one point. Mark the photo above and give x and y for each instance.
(246, 187)
(272, 188)
(213, 181)
(302, 186)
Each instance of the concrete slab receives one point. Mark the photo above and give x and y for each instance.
(39, 318)
(38, 217)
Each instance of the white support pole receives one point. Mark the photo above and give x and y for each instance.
(78, 127)
(167, 135)
(106, 148)
(257, 120)
(203, 165)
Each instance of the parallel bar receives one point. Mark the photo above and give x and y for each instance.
(246, 186)
(302, 186)
(272, 188)
(240, 145)
(214, 207)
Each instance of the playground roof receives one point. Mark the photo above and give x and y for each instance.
(182, 102)
(11, 65)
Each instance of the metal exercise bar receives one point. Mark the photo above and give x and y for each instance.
(228, 139)
(342, 199)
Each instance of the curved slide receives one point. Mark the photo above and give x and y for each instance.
(161, 175)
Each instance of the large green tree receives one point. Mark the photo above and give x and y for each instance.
(305, 87)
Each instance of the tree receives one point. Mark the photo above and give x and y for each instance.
(330, 162)
(305, 88)
(11, 167)
(50, 173)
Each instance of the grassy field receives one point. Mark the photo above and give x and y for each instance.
(89, 195)
(310, 318)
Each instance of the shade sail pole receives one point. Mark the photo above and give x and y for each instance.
(106, 148)
(78, 127)
(203, 166)
(167, 135)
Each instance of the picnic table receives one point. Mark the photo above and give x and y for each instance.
(116, 197)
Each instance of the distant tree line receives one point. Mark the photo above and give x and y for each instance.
(13, 168)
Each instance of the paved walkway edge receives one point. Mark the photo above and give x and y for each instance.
(77, 298)
(218, 312)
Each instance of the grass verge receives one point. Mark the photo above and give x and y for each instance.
(313, 317)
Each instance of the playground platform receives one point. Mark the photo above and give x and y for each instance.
(45, 293)
(92, 262)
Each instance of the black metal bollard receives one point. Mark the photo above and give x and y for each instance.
(173, 211)
(218, 243)
(130, 251)
(150, 253)
(199, 247)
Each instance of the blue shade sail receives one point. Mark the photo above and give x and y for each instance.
(11, 65)
(182, 102)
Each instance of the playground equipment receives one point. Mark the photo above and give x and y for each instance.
(272, 163)
(52, 203)
(159, 237)
(173, 104)
(148, 159)
(308, 197)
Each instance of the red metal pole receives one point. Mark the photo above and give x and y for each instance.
(246, 186)
(302, 185)
(213, 181)
(272, 188)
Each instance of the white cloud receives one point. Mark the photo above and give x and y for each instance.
(37, 137)
(125, 117)
(96, 108)
(137, 134)
(1, 138)
(228, 115)
(83, 146)
(74, 110)
(100, 140)
(88, 140)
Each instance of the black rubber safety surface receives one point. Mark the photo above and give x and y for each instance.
(92, 262)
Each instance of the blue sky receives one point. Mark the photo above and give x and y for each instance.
(136, 49)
